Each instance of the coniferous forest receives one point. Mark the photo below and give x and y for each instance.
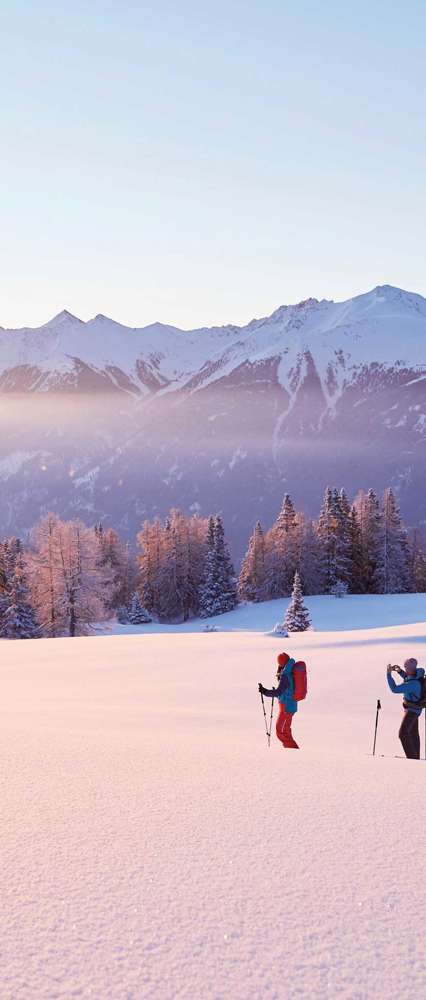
(68, 576)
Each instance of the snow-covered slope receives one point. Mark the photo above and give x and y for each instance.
(384, 326)
(153, 847)
(119, 424)
(327, 613)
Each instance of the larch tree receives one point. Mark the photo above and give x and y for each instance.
(70, 586)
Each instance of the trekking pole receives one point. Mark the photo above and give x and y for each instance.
(270, 722)
(375, 728)
(264, 716)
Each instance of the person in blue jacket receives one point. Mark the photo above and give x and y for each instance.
(412, 690)
(288, 705)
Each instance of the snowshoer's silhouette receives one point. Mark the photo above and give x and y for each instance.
(412, 689)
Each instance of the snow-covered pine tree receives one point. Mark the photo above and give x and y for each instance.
(343, 538)
(138, 615)
(218, 592)
(18, 619)
(392, 571)
(371, 530)
(327, 532)
(281, 551)
(251, 583)
(356, 583)
(225, 568)
(417, 562)
(3, 581)
(297, 615)
(210, 588)
(308, 558)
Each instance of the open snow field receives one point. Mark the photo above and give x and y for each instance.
(154, 847)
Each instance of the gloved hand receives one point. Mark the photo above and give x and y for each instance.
(260, 688)
(389, 668)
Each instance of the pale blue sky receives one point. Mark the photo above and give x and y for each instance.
(202, 163)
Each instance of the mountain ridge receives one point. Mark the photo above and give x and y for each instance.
(116, 423)
(66, 313)
(155, 357)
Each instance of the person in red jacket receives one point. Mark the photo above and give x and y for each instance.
(288, 706)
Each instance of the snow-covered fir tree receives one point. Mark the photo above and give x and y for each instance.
(138, 615)
(297, 615)
(17, 620)
(252, 579)
(417, 561)
(392, 573)
(334, 534)
(327, 532)
(308, 556)
(370, 534)
(356, 583)
(282, 551)
(218, 592)
(343, 538)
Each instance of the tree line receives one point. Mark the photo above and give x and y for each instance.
(69, 576)
(359, 548)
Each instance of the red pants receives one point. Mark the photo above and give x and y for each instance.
(283, 729)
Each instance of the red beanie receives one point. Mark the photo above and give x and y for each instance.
(282, 659)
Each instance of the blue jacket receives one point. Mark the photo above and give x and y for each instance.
(284, 691)
(411, 688)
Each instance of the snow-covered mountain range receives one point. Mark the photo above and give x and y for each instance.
(108, 421)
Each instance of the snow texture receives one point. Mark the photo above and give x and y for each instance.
(153, 847)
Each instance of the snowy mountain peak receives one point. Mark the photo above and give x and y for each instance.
(64, 318)
(307, 303)
(101, 318)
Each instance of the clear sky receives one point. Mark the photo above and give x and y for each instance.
(205, 162)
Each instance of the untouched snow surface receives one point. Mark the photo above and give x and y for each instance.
(154, 847)
(327, 614)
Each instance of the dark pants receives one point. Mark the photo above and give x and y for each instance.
(409, 735)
